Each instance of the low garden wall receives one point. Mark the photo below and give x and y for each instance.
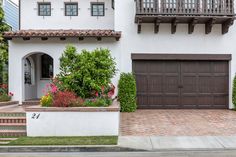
(73, 121)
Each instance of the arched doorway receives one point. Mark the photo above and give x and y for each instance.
(38, 71)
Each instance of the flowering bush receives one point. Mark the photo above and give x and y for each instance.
(4, 95)
(46, 100)
(84, 79)
(64, 99)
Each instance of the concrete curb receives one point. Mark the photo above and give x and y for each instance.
(5, 149)
(28, 149)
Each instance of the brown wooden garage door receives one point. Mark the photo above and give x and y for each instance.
(174, 84)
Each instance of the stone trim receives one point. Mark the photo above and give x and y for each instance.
(115, 107)
(8, 103)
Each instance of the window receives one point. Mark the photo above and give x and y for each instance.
(71, 9)
(46, 66)
(98, 9)
(44, 9)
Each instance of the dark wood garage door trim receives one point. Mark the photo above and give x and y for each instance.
(146, 56)
(174, 86)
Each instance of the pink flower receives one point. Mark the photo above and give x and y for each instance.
(54, 89)
(96, 94)
(10, 94)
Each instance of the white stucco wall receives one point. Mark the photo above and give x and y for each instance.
(130, 42)
(57, 20)
(73, 124)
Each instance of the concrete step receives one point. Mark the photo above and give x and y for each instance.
(31, 102)
(12, 119)
(12, 133)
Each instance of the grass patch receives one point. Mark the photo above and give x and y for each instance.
(90, 140)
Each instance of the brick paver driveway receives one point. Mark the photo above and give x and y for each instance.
(179, 123)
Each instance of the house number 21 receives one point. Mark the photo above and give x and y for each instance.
(35, 116)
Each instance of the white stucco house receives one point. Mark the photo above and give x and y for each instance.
(182, 52)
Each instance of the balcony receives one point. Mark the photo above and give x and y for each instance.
(191, 12)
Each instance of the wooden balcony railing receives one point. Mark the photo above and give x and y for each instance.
(219, 11)
(185, 7)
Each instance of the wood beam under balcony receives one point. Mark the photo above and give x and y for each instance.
(174, 25)
(156, 25)
(191, 25)
(209, 25)
(226, 25)
(139, 25)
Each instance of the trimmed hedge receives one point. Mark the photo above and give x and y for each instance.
(234, 93)
(127, 92)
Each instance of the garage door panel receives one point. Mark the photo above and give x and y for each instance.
(189, 101)
(171, 67)
(155, 83)
(189, 67)
(182, 84)
(220, 67)
(171, 84)
(155, 67)
(220, 99)
(189, 84)
(140, 66)
(141, 82)
(204, 67)
(220, 84)
(142, 100)
(205, 84)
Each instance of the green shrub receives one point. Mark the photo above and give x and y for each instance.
(234, 92)
(127, 92)
(4, 98)
(98, 102)
(86, 72)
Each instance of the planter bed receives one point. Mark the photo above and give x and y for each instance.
(73, 121)
(6, 103)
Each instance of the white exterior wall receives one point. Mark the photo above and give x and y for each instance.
(73, 124)
(18, 49)
(147, 42)
(58, 20)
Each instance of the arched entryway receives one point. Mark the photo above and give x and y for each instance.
(37, 72)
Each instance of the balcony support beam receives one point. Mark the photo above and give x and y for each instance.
(174, 25)
(191, 25)
(209, 25)
(139, 25)
(226, 25)
(156, 25)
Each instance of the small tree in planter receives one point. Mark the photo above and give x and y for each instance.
(88, 75)
(127, 92)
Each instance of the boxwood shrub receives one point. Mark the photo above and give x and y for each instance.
(127, 92)
(234, 92)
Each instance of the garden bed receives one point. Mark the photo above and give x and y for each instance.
(73, 121)
(92, 140)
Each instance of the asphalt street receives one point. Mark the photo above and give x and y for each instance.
(223, 153)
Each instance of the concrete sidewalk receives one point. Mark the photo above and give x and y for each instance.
(158, 143)
(142, 144)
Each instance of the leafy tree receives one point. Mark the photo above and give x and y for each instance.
(86, 72)
(3, 44)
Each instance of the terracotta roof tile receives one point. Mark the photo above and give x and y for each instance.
(62, 33)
